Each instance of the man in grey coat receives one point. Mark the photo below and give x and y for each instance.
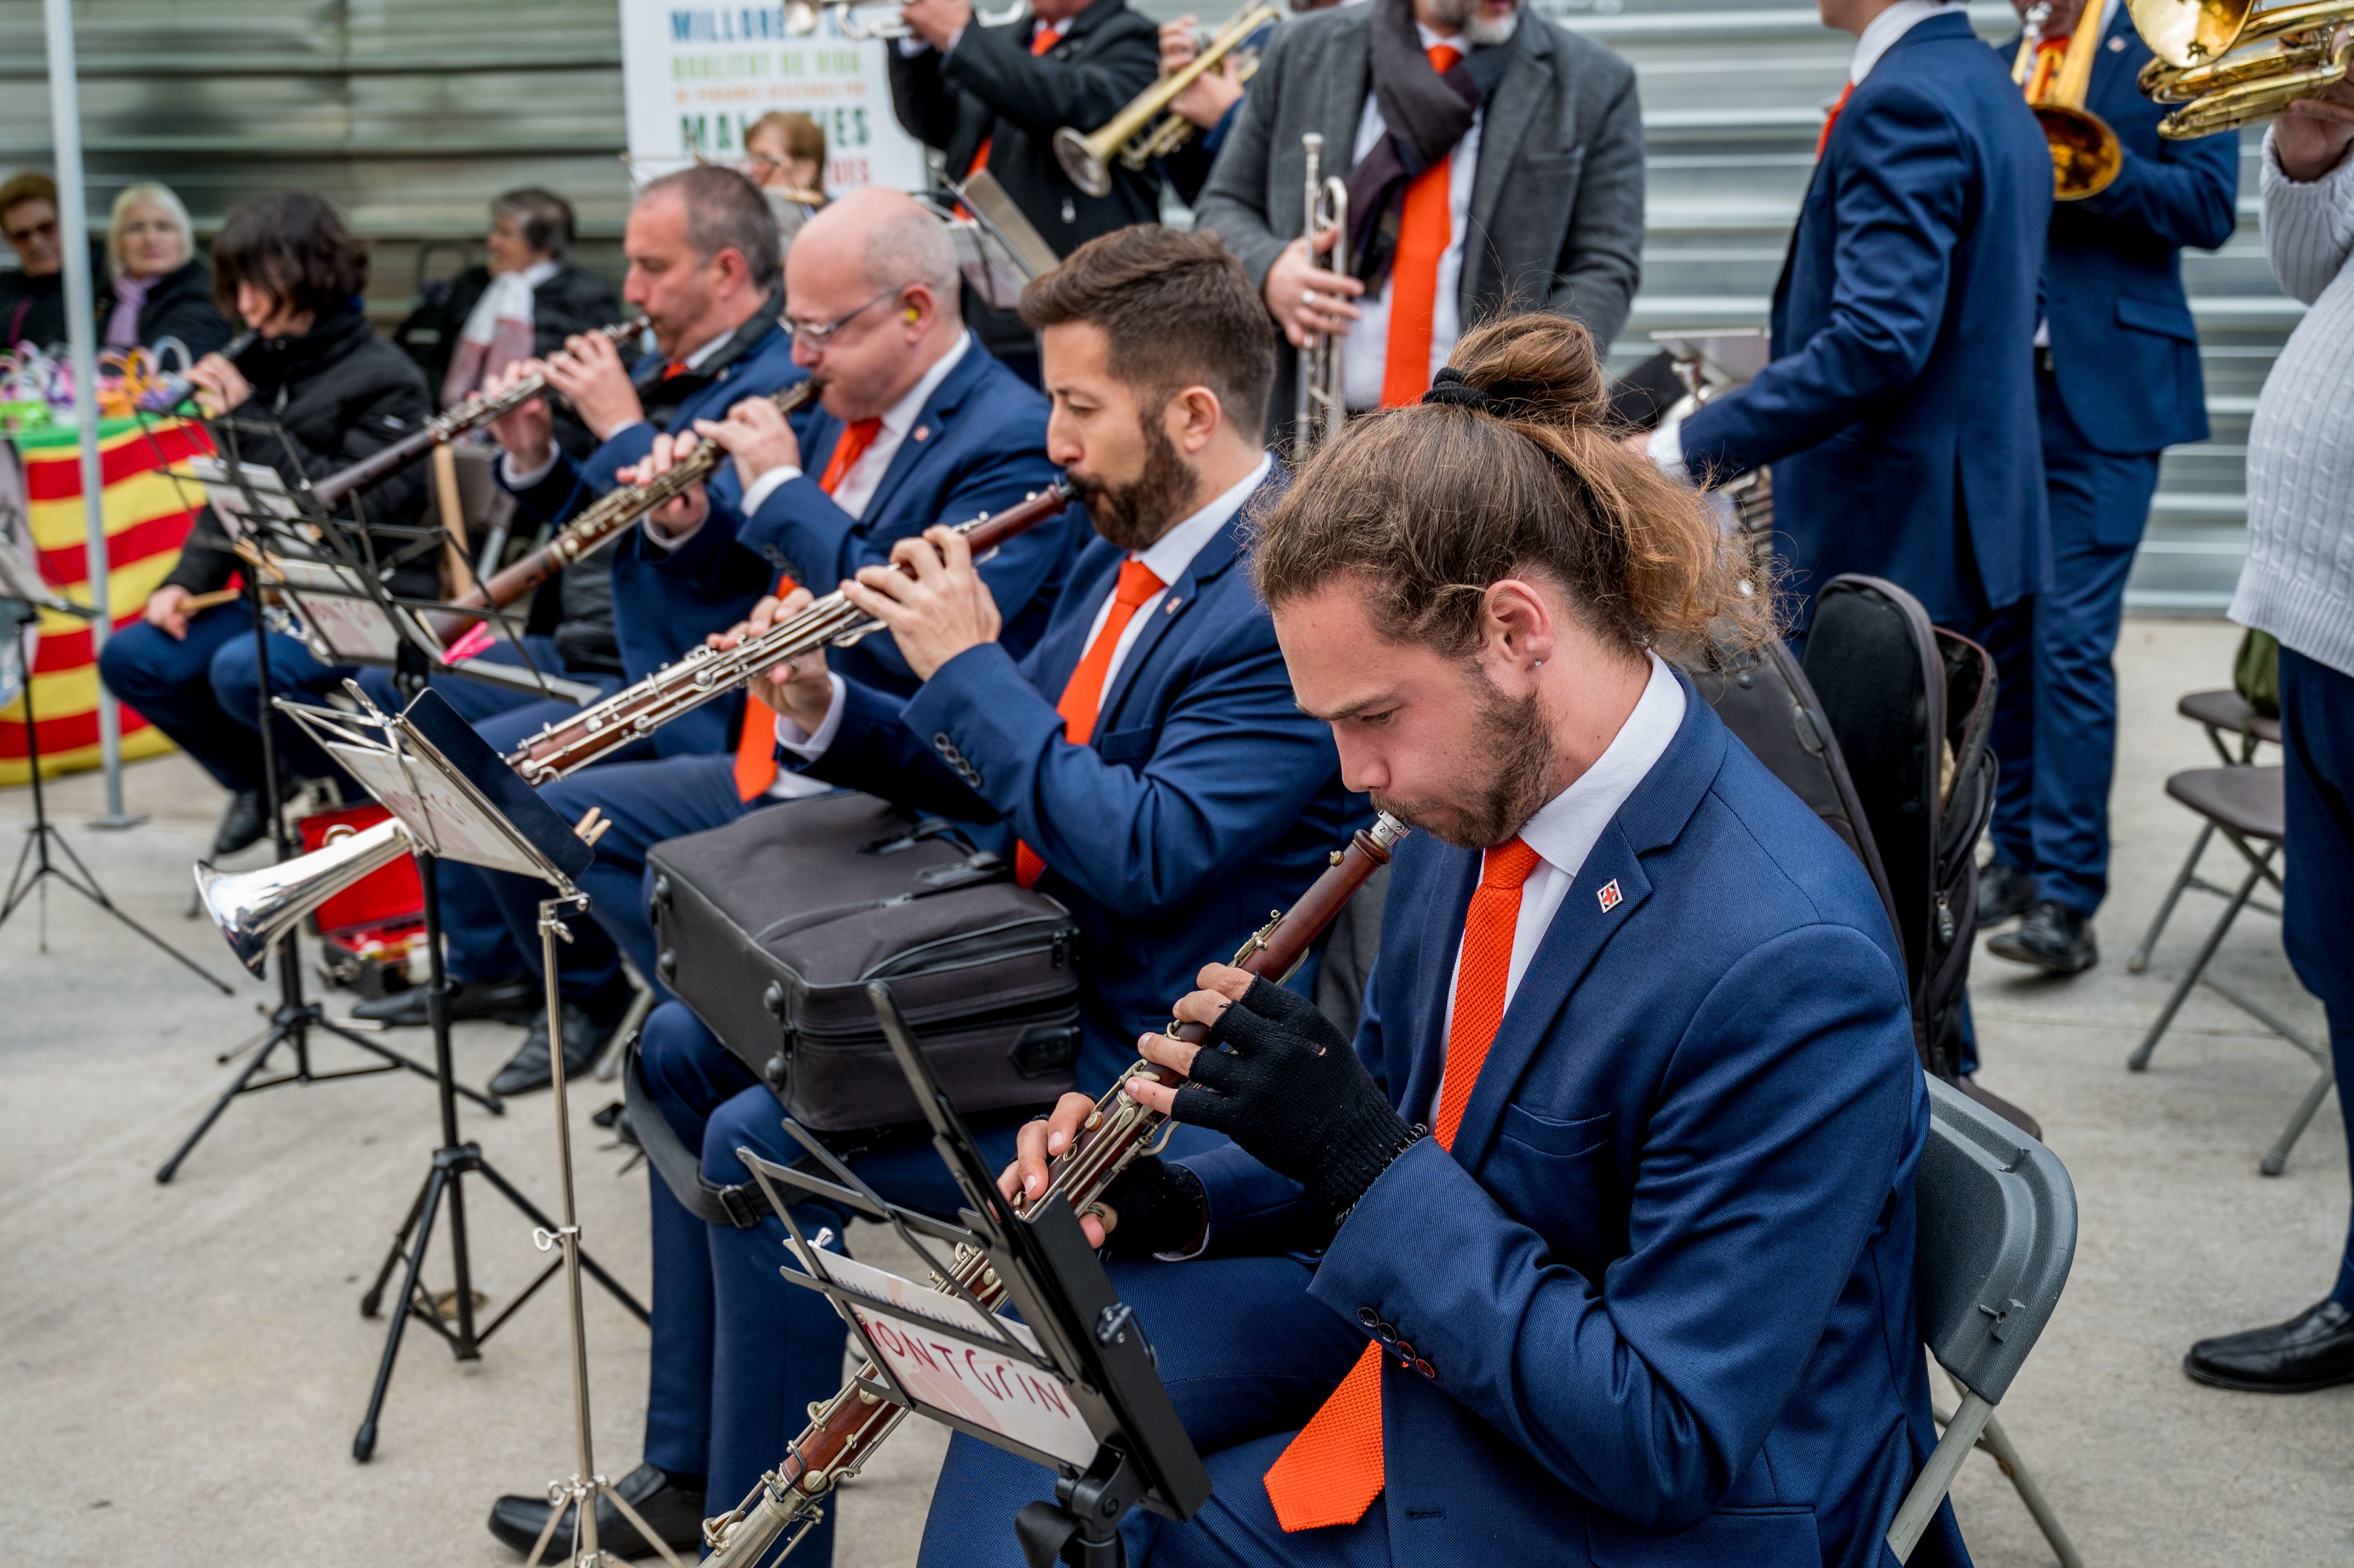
(1494, 162)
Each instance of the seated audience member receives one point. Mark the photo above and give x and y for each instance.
(159, 288)
(33, 298)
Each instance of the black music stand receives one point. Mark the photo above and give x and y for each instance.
(1071, 1385)
(23, 597)
(458, 800)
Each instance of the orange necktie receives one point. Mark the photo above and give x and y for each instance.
(1332, 1472)
(1042, 40)
(756, 747)
(1830, 119)
(1426, 229)
(1083, 693)
(676, 367)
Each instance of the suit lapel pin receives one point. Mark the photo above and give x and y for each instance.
(923, 432)
(1169, 607)
(1609, 896)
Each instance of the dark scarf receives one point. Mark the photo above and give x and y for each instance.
(1424, 113)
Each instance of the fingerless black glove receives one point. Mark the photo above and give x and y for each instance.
(1159, 1207)
(1276, 1077)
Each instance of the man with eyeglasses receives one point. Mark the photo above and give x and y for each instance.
(916, 425)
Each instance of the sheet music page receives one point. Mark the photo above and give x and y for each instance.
(974, 1384)
(436, 812)
(352, 631)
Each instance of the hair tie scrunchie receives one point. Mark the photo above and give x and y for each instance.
(1449, 387)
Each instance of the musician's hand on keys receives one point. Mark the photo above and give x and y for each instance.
(2312, 135)
(683, 514)
(756, 434)
(220, 385)
(945, 609)
(591, 374)
(167, 611)
(1304, 299)
(799, 689)
(1039, 1142)
(937, 22)
(526, 434)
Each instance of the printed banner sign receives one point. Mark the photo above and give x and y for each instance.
(694, 77)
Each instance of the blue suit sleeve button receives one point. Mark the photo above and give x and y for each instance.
(1368, 1317)
(1424, 1367)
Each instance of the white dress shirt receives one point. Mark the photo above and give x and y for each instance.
(526, 481)
(857, 487)
(1168, 558)
(1564, 829)
(1880, 35)
(1365, 353)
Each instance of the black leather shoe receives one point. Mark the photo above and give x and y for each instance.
(2004, 893)
(242, 825)
(674, 1514)
(2313, 1349)
(2053, 937)
(584, 1036)
(513, 998)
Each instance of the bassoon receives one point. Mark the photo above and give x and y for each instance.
(844, 1431)
(705, 673)
(598, 523)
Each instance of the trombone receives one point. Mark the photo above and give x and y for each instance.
(2227, 63)
(1147, 129)
(1321, 405)
(2085, 153)
(801, 17)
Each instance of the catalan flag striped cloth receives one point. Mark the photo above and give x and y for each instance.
(148, 515)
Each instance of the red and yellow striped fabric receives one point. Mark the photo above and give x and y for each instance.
(148, 515)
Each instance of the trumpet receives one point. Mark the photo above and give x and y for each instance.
(444, 428)
(801, 17)
(2227, 63)
(1146, 129)
(1321, 406)
(844, 1431)
(255, 908)
(2085, 153)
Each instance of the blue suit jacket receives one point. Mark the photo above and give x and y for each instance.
(2123, 348)
(1205, 799)
(979, 445)
(1899, 411)
(1674, 1320)
(653, 619)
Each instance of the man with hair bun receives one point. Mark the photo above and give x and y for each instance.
(1614, 1195)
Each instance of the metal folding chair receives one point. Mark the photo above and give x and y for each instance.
(2219, 714)
(2244, 805)
(1998, 1231)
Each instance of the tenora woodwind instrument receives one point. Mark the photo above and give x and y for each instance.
(254, 908)
(844, 1431)
(1148, 129)
(2227, 63)
(599, 523)
(705, 673)
(444, 428)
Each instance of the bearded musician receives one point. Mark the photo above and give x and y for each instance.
(1614, 1193)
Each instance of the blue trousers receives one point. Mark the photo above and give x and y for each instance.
(169, 680)
(2052, 811)
(1247, 1357)
(2318, 736)
(647, 802)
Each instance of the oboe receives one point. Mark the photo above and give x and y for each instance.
(845, 1430)
(444, 428)
(598, 523)
(705, 673)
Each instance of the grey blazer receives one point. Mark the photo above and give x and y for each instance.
(1562, 135)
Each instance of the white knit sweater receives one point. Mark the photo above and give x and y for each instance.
(2298, 583)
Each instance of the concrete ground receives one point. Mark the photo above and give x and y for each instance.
(184, 1365)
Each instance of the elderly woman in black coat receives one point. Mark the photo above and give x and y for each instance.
(160, 288)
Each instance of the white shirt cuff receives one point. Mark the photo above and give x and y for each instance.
(810, 745)
(909, 48)
(1666, 448)
(661, 540)
(515, 481)
(765, 486)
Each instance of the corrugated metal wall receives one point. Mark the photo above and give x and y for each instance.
(414, 113)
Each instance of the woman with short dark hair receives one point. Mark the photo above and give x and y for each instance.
(315, 391)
